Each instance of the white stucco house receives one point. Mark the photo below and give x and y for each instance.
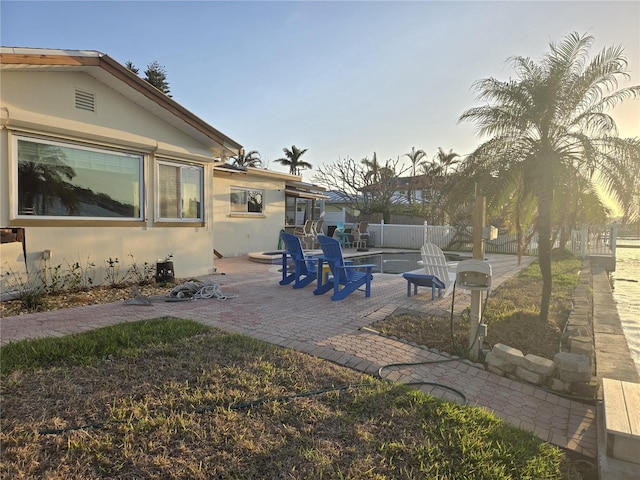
(97, 164)
(252, 206)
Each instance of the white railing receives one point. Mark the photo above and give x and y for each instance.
(582, 242)
(594, 240)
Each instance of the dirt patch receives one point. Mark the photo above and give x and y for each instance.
(79, 298)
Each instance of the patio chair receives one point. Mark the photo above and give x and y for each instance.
(361, 235)
(345, 278)
(435, 264)
(305, 233)
(341, 234)
(317, 230)
(304, 268)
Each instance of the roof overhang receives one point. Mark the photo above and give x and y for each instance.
(292, 192)
(111, 73)
(305, 190)
(228, 169)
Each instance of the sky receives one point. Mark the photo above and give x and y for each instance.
(341, 79)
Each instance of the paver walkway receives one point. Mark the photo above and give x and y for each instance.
(333, 330)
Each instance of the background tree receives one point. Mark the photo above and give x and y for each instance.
(129, 64)
(359, 186)
(373, 168)
(248, 159)
(292, 160)
(550, 122)
(440, 178)
(375, 171)
(446, 160)
(415, 157)
(156, 75)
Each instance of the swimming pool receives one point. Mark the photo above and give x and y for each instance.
(397, 262)
(390, 262)
(386, 262)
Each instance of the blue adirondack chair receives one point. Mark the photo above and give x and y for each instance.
(304, 271)
(345, 278)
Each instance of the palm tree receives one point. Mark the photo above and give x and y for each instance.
(552, 120)
(293, 161)
(249, 159)
(373, 168)
(43, 179)
(377, 172)
(415, 156)
(446, 160)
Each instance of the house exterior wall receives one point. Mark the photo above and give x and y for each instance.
(46, 100)
(240, 234)
(41, 104)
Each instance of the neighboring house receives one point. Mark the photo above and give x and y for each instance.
(97, 164)
(339, 208)
(408, 190)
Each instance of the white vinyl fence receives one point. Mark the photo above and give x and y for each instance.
(588, 240)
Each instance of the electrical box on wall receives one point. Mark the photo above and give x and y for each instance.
(474, 275)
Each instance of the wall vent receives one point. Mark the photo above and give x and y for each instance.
(85, 101)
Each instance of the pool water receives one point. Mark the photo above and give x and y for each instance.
(390, 262)
(399, 262)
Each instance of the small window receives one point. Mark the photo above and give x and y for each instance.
(245, 200)
(180, 192)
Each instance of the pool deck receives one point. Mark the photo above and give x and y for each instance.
(337, 331)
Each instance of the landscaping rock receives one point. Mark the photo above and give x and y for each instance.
(558, 385)
(540, 365)
(585, 389)
(496, 370)
(572, 362)
(494, 361)
(573, 368)
(531, 377)
(581, 346)
(508, 354)
(572, 377)
(575, 330)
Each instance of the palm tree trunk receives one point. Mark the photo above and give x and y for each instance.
(544, 248)
(520, 241)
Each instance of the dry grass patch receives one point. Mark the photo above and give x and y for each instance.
(511, 314)
(180, 406)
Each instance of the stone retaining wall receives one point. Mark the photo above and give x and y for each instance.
(572, 370)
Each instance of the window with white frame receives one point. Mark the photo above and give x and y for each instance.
(56, 179)
(246, 200)
(180, 192)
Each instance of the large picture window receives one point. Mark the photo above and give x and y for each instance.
(71, 181)
(245, 200)
(180, 192)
